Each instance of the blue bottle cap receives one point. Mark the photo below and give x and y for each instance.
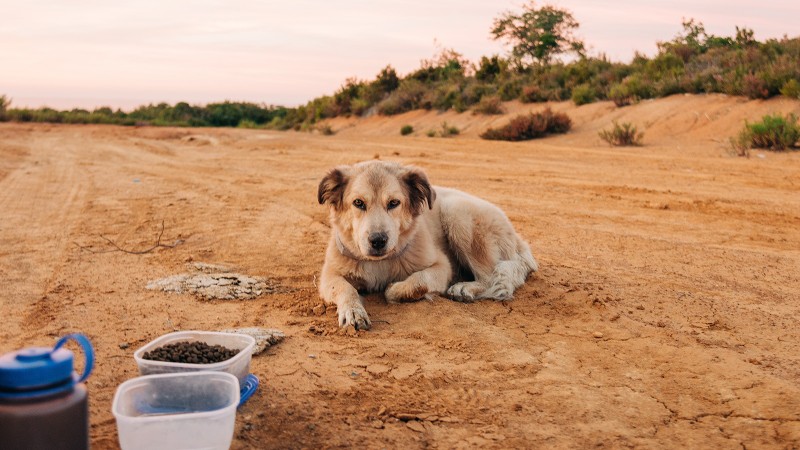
(37, 371)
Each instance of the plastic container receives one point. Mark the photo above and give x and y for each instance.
(239, 365)
(194, 410)
(43, 402)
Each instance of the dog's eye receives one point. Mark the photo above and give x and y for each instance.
(393, 204)
(358, 203)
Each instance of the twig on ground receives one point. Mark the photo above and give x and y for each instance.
(117, 248)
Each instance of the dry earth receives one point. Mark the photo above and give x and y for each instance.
(665, 315)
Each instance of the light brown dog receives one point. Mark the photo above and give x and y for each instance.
(393, 232)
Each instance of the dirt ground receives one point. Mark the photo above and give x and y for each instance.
(665, 314)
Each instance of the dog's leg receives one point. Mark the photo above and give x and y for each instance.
(337, 290)
(422, 284)
(499, 267)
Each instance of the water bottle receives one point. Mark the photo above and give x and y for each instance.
(43, 402)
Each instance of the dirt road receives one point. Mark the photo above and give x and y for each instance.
(665, 314)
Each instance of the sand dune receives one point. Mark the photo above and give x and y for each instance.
(665, 313)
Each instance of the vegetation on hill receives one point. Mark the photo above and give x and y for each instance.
(693, 62)
(530, 126)
(622, 135)
(773, 132)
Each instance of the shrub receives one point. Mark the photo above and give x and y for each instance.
(620, 95)
(448, 130)
(532, 94)
(774, 132)
(4, 102)
(246, 123)
(530, 126)
(755, 87)
(489, 105)
(791, 89)
(622, 135)
(509, 90)
(583, 94)
(325, 130)
(431, 133)
(405, 130)
(405, 98)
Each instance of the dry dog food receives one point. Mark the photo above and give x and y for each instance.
(191, 352)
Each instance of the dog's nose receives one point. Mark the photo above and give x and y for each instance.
(378, 240)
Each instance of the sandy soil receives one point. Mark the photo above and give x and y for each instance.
(665, 314)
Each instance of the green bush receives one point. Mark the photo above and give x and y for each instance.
(791, 89)
(774, 132)
(583, 94)
(530, 126)
(622, 135)
(448, 130)
(619, 94)
(405, 98)
(246, 123)
(4, 102)
(405, 130)
(489, 105)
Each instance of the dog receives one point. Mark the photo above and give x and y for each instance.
(392, 232)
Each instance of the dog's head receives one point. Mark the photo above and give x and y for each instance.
(374, 205)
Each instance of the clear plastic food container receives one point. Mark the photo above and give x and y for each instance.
(194, 410)
(239, 365)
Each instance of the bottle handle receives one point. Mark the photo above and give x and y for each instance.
(88, 352)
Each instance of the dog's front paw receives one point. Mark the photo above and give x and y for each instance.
(354, 314)
(405, 292)
(466, 292)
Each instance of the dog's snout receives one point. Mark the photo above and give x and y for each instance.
(378, 240)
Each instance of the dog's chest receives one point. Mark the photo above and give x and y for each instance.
(375, 276)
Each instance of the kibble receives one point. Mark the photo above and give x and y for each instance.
(191, 353)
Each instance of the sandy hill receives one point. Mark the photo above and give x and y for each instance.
(712, 117)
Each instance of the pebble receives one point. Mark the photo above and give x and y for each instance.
(597, 335)
(416, 426)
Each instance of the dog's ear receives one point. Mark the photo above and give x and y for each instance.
(331, 188)
(419, 190)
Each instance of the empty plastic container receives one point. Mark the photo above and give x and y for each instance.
(194, 410)
(239, 365)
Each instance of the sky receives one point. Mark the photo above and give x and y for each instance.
(90, 53)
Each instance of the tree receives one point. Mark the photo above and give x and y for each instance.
(537, 34)
(4, 103)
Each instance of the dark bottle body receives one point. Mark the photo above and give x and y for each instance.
(59, 422)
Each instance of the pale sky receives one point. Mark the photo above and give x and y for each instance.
(88, 53)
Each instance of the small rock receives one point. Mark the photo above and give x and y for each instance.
(376, 424)
(124, 345)
(382, 410)
(319, 310)
(265, 337)
(312, 356)
(350, 331)
(416, 426)
(640, 307)
(597, 335)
